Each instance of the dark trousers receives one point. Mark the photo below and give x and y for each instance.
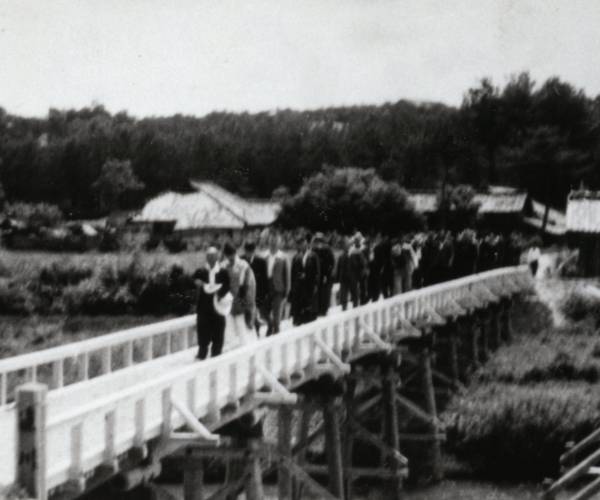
(324, 298)
(349, 290)
(211, 333)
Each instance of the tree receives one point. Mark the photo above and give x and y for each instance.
(457, 207)
(482, 107)
(547, 166)
(116, 179)
(346, 199)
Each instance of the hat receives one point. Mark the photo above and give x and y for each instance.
(319, 238)
(223, 305)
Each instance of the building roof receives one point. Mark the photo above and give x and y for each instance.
(557, 223)
(583, 212)
(253, 212)
(498, 200)
(189, 211)
(210, 207)
(501, 203)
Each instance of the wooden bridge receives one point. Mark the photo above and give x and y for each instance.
(111, 408)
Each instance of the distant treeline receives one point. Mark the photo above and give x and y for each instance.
(544, 138)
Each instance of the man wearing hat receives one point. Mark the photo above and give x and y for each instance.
(326, 265)
(213, 304)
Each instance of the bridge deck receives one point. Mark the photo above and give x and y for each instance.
(94, 422)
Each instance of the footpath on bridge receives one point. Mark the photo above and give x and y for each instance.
(111, 408)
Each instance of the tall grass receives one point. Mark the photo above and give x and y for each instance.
(529, 399)
(97, 283)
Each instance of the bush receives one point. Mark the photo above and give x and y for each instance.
(557, 355)
(530, 317)
(519, 432)
(64, 273)
(14, 298)
(35, 215)
(581, 305)
(93, 297)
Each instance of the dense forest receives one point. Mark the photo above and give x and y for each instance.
(541, 137)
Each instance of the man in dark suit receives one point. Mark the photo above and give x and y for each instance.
(326, 265)
(278, 284)
(211, 305)
(305, 283)
(259, 267)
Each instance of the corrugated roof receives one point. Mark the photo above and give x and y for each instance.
(583, 212)
(500, 200)
(210, 207)
(252, 212)
(556, 225)
(500, 203)
(189, 211)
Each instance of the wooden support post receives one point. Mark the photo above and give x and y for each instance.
(453, 355)
(303, 431)
(333, 444)
(435, 457)
(254, 486)
(392, 431)
(284, 477)
(348, 444)
(495, 327)
(484, 331)
(234, 469)
(506, 323)
(31, 439)
(473, 333)
(193, 478)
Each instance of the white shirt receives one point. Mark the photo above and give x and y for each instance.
(304, 258)
(271, 263)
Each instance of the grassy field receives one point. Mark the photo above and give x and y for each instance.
(20, 335)
(27, 265)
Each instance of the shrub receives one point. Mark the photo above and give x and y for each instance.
(580, 305)
(519, 432)
(553, 356)
(175, 244)
(530, 317)
(14, 298)
(64, 273)
(93, 297)
(35, 215)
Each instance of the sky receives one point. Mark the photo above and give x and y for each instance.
(151, 57)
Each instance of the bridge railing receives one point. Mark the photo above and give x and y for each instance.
(78, 361)
(83, 438)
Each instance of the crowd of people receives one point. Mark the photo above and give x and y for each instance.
(248, 289)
